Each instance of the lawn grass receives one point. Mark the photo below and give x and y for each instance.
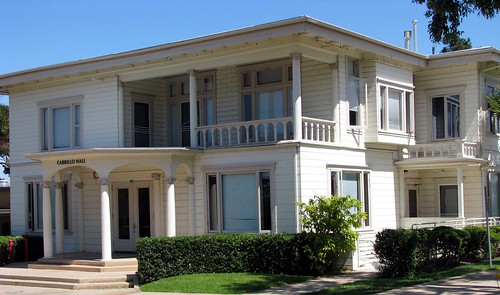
(377, 285)
(221, 283)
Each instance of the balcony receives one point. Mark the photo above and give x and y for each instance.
(457, 149)
(261, 132)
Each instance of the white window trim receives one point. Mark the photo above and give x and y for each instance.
(458, 90)
(495, 86)
(361, 171)
(438, 188)
(406, 89)
(39, 180)
(70, 102)
(363, 102)
(218, 172)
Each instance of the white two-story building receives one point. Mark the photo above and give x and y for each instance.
(225, 133)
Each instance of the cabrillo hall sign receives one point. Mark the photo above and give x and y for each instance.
(71, 161)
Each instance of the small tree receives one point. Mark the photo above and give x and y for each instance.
(333, 220)
(494, 101)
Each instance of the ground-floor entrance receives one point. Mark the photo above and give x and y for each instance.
(132, 209)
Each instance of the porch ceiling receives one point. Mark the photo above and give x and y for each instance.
(439, 163)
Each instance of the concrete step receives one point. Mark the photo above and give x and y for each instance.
(65, 285)
(83, 267)
(89, 262)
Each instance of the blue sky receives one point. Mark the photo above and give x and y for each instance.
(39, 33)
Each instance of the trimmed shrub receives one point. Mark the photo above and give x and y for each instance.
(397, 251)
(162, 257)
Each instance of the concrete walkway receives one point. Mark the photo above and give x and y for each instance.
(475, 283)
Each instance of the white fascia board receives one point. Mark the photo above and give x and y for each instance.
(483, 54)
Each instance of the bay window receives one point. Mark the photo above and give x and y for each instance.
(239, 202)
(353, 183)
(395, 106)
(61, 124)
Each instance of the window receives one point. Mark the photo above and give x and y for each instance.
(355, 184)
(355, 93)
(239, 202)
(395, 109)
(493, 118)
(61, 125)
(266, 93)
(34, 191)
(445, 116)
(448, 200)
(142, 127)
(495, 195)
(179, 106)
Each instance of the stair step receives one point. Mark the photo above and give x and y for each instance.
(114, 262)
(86, 268)
(71, 280)
(65, 285)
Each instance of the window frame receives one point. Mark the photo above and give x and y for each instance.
(447, 215)
(406, 111)
(364, 189)
(218, 175)
(362, 94)
(46, 126)
(34, 213)
(493, 118)
(447, 92)
(149, 101)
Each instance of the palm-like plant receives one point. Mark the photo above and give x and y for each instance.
(494, 101)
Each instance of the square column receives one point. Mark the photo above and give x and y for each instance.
(460, 192)
(297, 96)
(193, 108)
(156, 204)
(192, 206)
(105, 220)
(47, 221)
(81, 226)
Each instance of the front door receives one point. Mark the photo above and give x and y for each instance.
(131, 214)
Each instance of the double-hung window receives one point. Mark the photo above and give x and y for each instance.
(353, 183)
(34, 194)
(445, 116)
(239, 201)
(61, 126)
(395, 109)
(448, 200)
(356, 91)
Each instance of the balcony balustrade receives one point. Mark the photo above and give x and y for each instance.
(445, 149)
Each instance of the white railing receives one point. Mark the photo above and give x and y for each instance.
(458, 223)
(263, 132)
(448, 149)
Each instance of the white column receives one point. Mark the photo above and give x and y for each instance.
(336, 101)
(105, 220)
(192, 206)
(47, 221)
(171, 206)
(59, 218)
(460, 189)
(297, 96)
(81, 220)
(156, 204)
(402, 195)
(193, 108)
(121, 116)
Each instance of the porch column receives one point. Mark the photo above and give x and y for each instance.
(297, 96)
(156, 204)
(193, 108)
(460, 192)
(47, 221)
(192, 206)
(81, 227)
(171, 206)
(402, 194)
(59, 218)
(105, 220)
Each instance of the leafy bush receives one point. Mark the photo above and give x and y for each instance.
(333, 220)
(35, 248)
(259, 253)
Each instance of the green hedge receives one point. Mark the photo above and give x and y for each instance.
(35, 248)
(404, 252)
(258, 253)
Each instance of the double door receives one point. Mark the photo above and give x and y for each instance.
(132, 213)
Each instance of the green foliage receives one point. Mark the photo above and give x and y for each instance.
(35, 248)
(256, 253)
(455, 43)
(447, 15)
(494, 101)
(406, 252)
(333, 220)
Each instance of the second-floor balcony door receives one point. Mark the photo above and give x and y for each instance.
(185, 125)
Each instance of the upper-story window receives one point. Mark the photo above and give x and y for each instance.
(355, 93)
(266, 91)
(395, 109)
(493, 118)
(445, 116)
(61, 124)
